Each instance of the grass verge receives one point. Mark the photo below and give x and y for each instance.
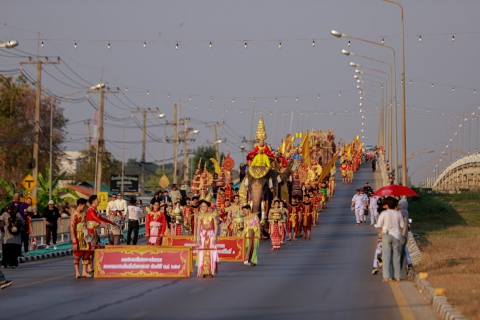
(449, 229)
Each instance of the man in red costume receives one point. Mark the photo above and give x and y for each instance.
(93, 222)
(294, 217)
(307, 217)
(79, 245)
(155, 225)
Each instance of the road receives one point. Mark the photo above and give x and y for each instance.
(327, 277)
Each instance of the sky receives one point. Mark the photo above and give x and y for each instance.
(296, 87)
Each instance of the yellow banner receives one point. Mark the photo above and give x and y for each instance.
(327, 168)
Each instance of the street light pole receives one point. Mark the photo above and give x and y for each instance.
(404, 109)
(343, 35)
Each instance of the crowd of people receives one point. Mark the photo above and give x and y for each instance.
(390, 216)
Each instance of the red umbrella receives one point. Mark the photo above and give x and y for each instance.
(395, 190)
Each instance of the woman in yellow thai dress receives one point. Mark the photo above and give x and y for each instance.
(206, 228)
(251, 230)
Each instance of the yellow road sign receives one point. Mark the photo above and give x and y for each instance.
(34, 201)
(29, 182)
(103, 199)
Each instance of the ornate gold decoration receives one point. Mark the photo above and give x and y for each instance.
(261, 133)
(164, 182)
(258, 172)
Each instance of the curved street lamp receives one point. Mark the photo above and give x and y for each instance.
(9, 45)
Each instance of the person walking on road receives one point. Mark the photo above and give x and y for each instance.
(133, 221)
(52, 219)
(358, 205)
(13, 224)
(206, 230)
(391, 223)
(373, 209)
(4, 283)
(252, 232)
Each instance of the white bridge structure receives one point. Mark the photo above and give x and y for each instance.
(462, 174)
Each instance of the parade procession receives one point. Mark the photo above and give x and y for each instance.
(280, 200)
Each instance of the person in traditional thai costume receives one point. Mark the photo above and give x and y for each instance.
(188, 217)
(232, 212)
(155, 225)
(93, 223)
(344, 168)
(78, 229)
(325, 192)
(195, 210)
(350, 170)
(314, 200)
(206, 239)
(115, 231)
(275, 224)
(261, 154)
(307, 217)
(224, 221)
(294, 212)
(177, 218)
(283, 221)
(252, 232)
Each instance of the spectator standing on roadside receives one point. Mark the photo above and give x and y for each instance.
(12, 223)
(405, 261)
(21, 207)
(242, 170)
(121, 204)
(365, 205)
(115, 230)
(111, 203)
(391, 224)
(133, 221)
(156, 198)
(166, 198)
(175, 194)
(52, 219)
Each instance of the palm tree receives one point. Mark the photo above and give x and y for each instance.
(44, 188)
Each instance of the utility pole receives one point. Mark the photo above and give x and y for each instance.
(176, 139)
(38, 97)
(100, 141)
(89, 139)
(144, 138)
(215, 137)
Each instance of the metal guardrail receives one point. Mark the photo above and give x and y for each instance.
(63, 230)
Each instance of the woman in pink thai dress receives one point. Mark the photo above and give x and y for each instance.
(206, 228)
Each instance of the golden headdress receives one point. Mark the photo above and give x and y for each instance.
(261, 133)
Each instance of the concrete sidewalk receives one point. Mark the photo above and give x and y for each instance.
(64, 249)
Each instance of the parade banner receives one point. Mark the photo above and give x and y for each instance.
(143, 262)
(124, 246)
(230, 249)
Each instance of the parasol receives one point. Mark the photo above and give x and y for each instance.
(395, 190)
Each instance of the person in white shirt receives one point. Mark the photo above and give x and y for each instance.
(111, 203)
(391, 224)
(175, 194)
(373, 210)
(133, 221)
(121, 204)
(358, 203)
(365, 205)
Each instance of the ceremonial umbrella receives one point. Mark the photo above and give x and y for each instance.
(395, 190)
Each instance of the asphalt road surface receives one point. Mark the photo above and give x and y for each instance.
(327, 277)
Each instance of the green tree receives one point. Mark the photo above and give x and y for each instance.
(205, 153)
(44, 188)
(10, 190)
(17, 116)
(110, 166)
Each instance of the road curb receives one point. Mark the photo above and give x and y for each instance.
(439, 303)
(57, 254)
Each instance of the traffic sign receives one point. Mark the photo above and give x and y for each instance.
(29, 182)
(34, 201)
(103, 200)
